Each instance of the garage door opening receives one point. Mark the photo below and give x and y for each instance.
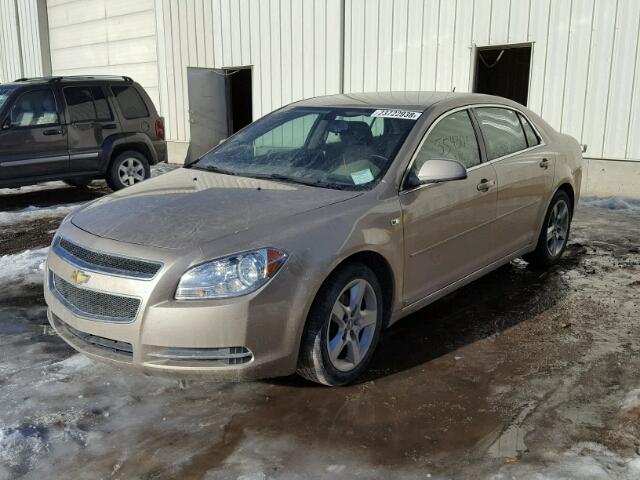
(219, 105)
(503, 71)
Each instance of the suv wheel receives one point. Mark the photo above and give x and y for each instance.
(554, 234)
(127, 169)
(343, 327)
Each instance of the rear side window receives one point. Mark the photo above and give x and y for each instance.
(130, 102)
(529, 132)
(34, 109)
(87, 104)
(452, 138)
(501, 130)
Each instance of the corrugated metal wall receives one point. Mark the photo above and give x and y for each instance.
(20, 46)
(585, 77)
(105, 37)
(293, 46)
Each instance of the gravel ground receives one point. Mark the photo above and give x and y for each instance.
(520, 375)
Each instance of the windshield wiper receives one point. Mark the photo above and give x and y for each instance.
(211, 168)
(301, 181)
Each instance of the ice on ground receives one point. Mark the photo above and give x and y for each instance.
(23, 267)
(612, 203)
(632, 400)
(585, 461)
(31, 213)
(33, 188)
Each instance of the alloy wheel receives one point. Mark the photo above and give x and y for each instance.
(351, 328)
(558, 228)
(131, 171)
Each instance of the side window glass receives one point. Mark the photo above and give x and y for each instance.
(288, 136)
(501, 130)
(80, 104)
(33, 109)
(103, 111)
(130, 102)
(453, 138)
(529, 132)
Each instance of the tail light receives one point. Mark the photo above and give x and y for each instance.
(160, 128)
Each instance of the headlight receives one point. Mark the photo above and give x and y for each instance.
(230, 276)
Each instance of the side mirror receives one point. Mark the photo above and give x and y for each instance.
(433, 171)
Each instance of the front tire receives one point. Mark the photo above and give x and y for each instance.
(554, 234)
(343, 327)
(127, 169)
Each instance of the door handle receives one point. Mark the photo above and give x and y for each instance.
(485, 185)
(109, 126)
(52, 131)
(544, 163)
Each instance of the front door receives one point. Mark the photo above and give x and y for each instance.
(448, 226)
(208, 109)
(90, 122)
(33, 142)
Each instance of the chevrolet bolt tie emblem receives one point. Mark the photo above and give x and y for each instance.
(80, 277)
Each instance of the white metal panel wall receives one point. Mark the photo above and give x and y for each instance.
(20, 47)
(585, 70)
(105, 37)
(292, 45)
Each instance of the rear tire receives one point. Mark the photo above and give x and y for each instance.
(343, 327)
(127, 169)
(554, 233)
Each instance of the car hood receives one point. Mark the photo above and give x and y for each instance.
(186, 207)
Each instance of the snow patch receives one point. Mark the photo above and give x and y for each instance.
(631, 400)
(31, 214)
(23, 267)
(611, 203)
(33, 188)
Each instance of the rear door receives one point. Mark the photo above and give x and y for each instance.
(448, 226)
(33, 141)
(90, 122)
(524, 169)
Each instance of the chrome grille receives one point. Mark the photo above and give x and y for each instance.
(106, 263)
(94, 305)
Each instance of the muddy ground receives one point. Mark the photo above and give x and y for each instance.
(522, 374)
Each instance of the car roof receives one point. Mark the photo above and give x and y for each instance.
(68, 79)
(419, 101)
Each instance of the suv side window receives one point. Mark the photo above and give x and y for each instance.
(34, 109)
(529, 132)
(501, 130)
(452, 138)
(87, 104)
(130, 102)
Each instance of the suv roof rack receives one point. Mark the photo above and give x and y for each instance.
(74, 77)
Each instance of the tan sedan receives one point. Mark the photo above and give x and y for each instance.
(293, 244)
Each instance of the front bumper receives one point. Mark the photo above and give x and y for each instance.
(245, 338)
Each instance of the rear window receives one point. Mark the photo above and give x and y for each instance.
(501, 130)
(130, 102)
(87, 104)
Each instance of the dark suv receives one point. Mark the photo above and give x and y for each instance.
(78, 129)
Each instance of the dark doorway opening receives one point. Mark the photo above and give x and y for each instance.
(503, 71)
(240, 108)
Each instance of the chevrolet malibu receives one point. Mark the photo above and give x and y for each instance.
(292, 245)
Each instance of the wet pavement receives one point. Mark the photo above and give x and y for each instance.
(522, 374)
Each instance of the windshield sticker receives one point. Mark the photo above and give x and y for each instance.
(406, 114)
(362, 176)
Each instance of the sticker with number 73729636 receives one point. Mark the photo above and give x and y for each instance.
(406, 114)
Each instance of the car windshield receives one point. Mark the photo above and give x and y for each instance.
(5, 91)
(347, 149)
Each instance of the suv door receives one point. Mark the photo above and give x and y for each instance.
(90, 122)
(448, 226)
(33, 142)
(524, 170)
